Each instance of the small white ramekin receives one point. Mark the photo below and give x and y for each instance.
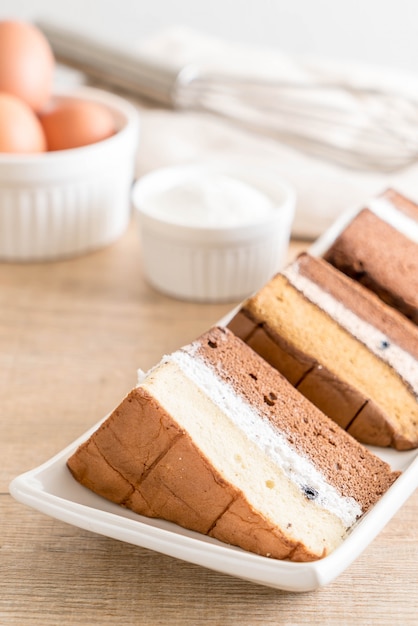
(60, 204)
(216, 264)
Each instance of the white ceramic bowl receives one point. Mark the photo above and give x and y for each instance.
(219, 262)
(64, 203)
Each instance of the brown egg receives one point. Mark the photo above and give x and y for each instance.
(72, 123)
(20, 129)
(26, 63)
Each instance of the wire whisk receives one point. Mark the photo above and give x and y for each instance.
(353, 126)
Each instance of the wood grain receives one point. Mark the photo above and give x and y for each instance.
(72, 335)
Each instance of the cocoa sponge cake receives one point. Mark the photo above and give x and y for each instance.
(352, 355)
(216, 440)
(379, 248)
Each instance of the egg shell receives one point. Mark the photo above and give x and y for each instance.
(20, 129)
(72, 123)
(26, 63)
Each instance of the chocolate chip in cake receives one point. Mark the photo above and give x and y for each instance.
(310, 492)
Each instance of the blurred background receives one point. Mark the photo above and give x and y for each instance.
(370, 31)
(371, 41)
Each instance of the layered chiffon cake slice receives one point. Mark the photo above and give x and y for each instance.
(217, 441)
(379, 248)
(349, 353)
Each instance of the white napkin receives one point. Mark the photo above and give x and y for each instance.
(324, 189)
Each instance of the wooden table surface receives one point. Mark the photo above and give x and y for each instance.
(72, 335)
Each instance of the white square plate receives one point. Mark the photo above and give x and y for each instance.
(51, 489)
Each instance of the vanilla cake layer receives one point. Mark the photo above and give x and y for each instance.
(350, 354)
(379, 249)
(216, 440)
(248, 469)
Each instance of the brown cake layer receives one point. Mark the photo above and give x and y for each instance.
(326, 363)
(361, 302)
(402, 203)
(384, 260)
(306, 428)
(143, 457)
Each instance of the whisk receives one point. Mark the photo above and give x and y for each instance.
(356, 127)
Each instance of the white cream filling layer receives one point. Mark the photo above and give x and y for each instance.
(377, 342)
(260, 432)
(387, 211)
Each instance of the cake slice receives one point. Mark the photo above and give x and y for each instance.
(217, 441)
(379, 248)
(353, 356)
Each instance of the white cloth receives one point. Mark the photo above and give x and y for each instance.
(324, 189)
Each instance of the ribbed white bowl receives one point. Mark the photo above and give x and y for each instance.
(64, 203)
(213, 264)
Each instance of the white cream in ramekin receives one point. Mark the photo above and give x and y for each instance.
(59, 204)
(213, 233)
